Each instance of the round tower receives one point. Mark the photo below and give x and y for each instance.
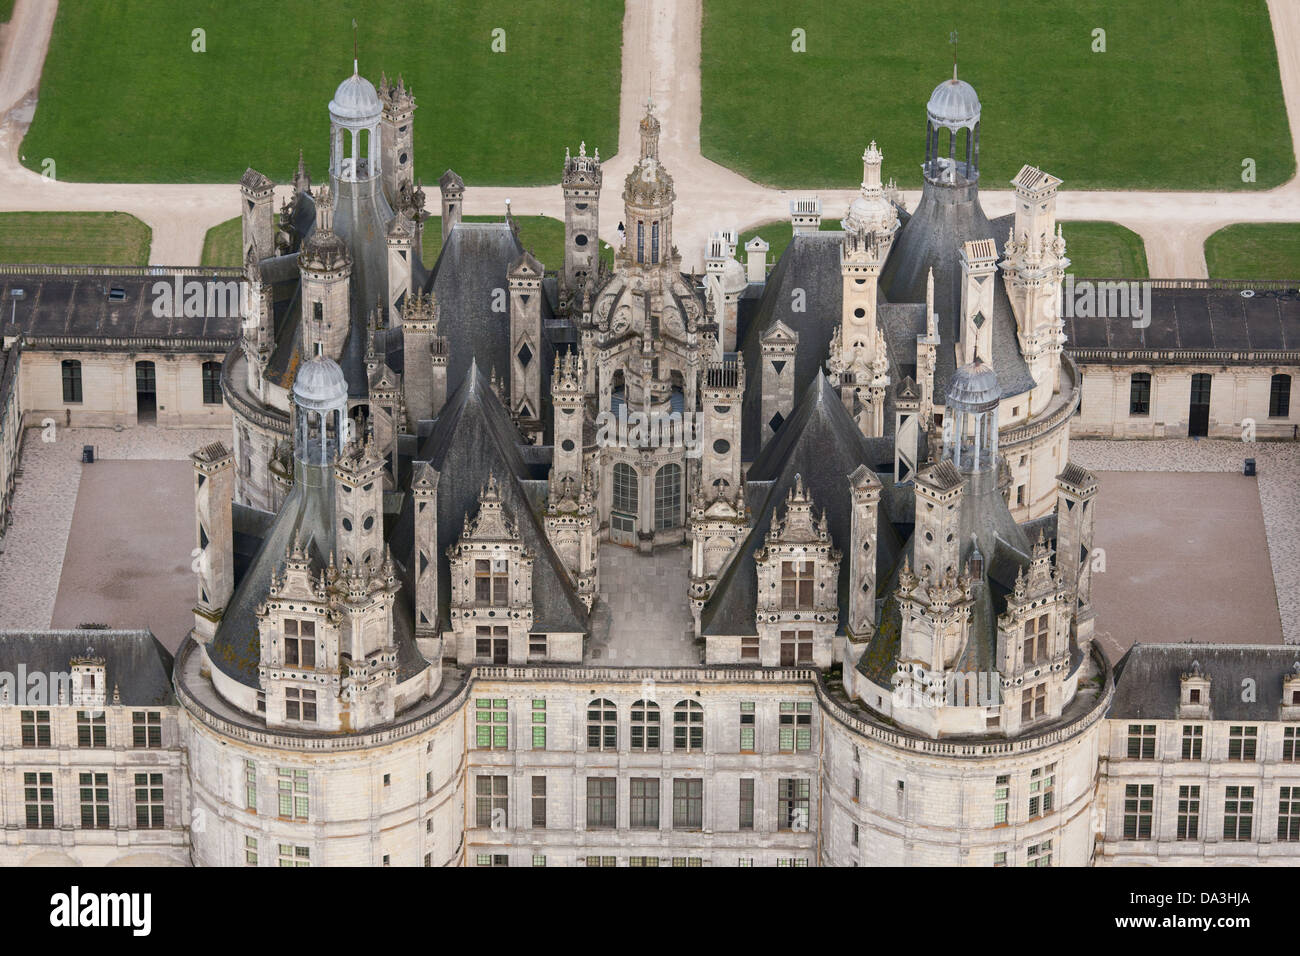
(970, 436)
(954, 107)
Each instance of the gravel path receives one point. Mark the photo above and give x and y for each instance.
(661, 55)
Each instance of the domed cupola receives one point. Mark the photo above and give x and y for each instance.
(320, 400)
(953, 107)
(354, 129)
(324, 250)
(648, 198)
(970, 424)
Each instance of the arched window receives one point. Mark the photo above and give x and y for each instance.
(688, 726)
(1139, 394)
(645, 726)
(602, 725)
(668, 497)
(71, 382)
(1279, 397)
(211, 383)
(625, 488)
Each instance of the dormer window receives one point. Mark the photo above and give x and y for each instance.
(1194, 696)
(796, 585)
(300, 644)
(1035, 641)
(491, 581)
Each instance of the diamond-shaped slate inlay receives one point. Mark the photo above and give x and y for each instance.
(525, 355)
(777, 421)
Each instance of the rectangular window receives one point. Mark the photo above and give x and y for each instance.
(539, 860)
(1034, 643)
(291, 855)
(1288, 814)
(1042, 789)
(1290, 742)
(300, 644)
(1033, 702)
(1000, 858)
(644, 803)
(92, 728)
(796, 648)
(793, 802)
(148, 801)
(35, 728)
(796, 585)
(146, 729)
(1193, 738)
(1138, 801)
(654, 242)
(1139, 394)
(539, 803)
(749, 648)
(492, 643)
(211, 383)
(300, 704)
(602, 803)
(71, 382)
(250, 785)
(38, 793)
(688, 804)
(250, 851)
(1241, 742)
(795, 726)
(1238, 812)
(539, 724)
(1001, 799)
(746, 803)
(491, 724)
(688, 861)
(493, 859)
(791, 861)
(491, 800)
(492, 581)
(94, 801)
(1189, 812)
(536, 645)
(645, 726)
(643, 861)
(1039, 854)
(1279, 397)
(640, 242)
(602, 861)
(747, 727)
(1141, 741)
(293, 792)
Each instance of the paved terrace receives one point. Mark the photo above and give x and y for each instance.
(1188, 555)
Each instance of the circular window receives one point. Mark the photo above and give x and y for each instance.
(929, 536)
(580, 240)
(567, 444)
(401, 159)
(859, 313)
(347, 524)
(368, 523)
(721, 446)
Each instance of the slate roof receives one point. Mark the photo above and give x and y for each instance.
(1198, 320)
(820, 442)
(946, 217)
(135, 662)
(1148, 679)
(79, 306)
(473, 437)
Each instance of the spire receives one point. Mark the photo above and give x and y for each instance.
(354, 49)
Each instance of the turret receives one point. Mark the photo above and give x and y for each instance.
(396, 130)
(258, 217)
(214, 488)
(452, 188)
(326, 267)
(581, 184)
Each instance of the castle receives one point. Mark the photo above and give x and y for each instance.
(399, 655)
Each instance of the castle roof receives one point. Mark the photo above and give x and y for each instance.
(1148, 679)
(136, 665)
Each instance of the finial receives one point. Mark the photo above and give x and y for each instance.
(354, 46)
(952, 38)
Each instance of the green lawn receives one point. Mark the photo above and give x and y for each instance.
(74, 238)
(1104, 250)
(221, 244)
(1184, 92)
(6, 10)
(124, 99)
(777, 235)
(1255, 250)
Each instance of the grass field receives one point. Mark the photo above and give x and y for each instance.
(74, 238)
(1104, 250)
(543, 235)
(6, 10)
(777, 235)
(124, 98)
(1255, 250)
(1183, 93)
